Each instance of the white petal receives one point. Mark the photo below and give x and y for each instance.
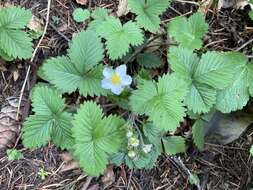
(107, 72)
(121, 70)
(106, 84)
(117, 89)
(126, 80)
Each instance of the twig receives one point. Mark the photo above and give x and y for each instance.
(179, 162)
(141, 48)
(244, 45)
(33, 57)
(188, 2)
(61, 34)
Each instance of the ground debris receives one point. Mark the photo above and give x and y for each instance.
(9, 126)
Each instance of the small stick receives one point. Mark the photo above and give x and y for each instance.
(244, 45)
(33, 57)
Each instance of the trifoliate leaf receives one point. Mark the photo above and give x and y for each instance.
(119, 37)
(189, 32)
(50, 122)
(15, 43)
(213, 72)
(149, 60)
(148, 12)
(96, 137)
(80, 15)
(161, 101)
(81, 70)
(174, 145)
(198, 134)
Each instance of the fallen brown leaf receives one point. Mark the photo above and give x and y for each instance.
(109, 177)
(35, 24)
(69, 163)
(205, 6)
(82, 2)
(122, 8)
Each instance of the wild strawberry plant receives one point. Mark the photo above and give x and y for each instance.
(199, 82)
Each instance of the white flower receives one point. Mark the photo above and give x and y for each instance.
(116, 80)
(134, 142)
(131, 154)
(147, 148)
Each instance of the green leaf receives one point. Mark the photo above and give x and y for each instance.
(37, 131)
(251, 14)
(198, 134)
(251, 150)
(119, 37)
(250, 78)
(86, 51)
(15, 43)
(81, 70)
(146, 161)
(152, 133)
(5, 56)
(46, 101)
(96, 137)
(161, 101)
(14, 17)
(183, 62)
(148, 12)
(174, 145)
(149, 60)
(236, 95)
(99, 15)
(14, 154)
(213, 72)
(189, 32)
(194, 179)
(80, 15)
(50, 122)
(200, 98)
(61, 132)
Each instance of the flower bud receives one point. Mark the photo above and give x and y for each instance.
(131, 154)
(129, 134)
(134, 142)
(147, 148)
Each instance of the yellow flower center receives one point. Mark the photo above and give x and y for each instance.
(115, 79)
